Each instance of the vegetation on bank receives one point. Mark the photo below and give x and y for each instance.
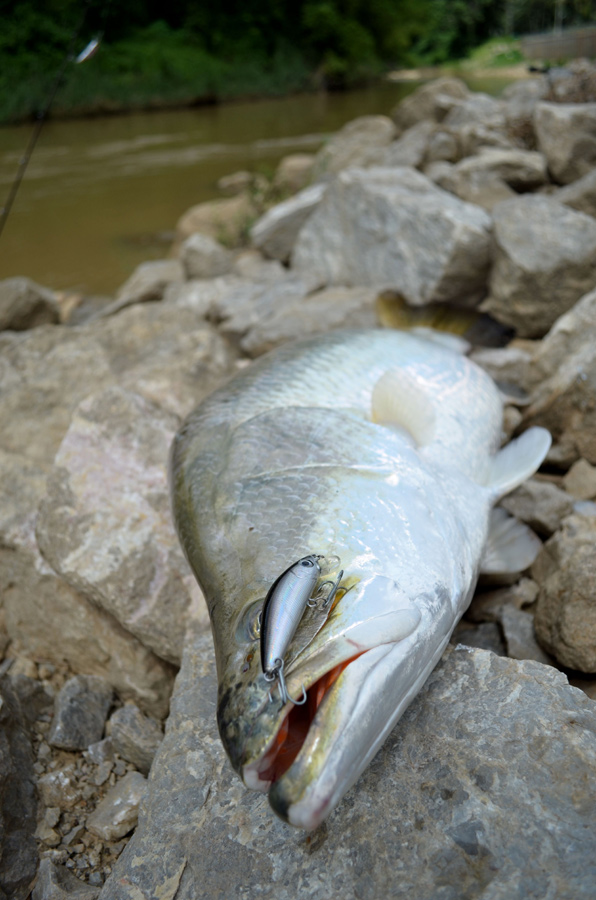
(155, 53)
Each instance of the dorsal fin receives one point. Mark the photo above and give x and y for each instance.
(512, 465)
(399, 402)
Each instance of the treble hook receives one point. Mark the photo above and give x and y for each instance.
(278, 672)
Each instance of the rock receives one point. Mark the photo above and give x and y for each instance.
(486, 636)
(544, 260)
(431, 101)
(147, 282)
(527, 91)
(392, 228)
(482, 188)
(573, 83)
(505, 365)
(18, 800)
(252, 265)
(442, 145)
(248, 306)
(118, 812)
(410, 149)
(101, 751)
(518, 629)
(476, 137)
(135, 737)
(447, 767)
(224, 220)
(34, 698)
(105, 525)
(357, 144)
(235, 183)
(477, 110)
(57, 623)
(80, 712)
(57, 883)
(563, 401)
(566, 613)
(487, 606)
(294, 172)
(315, 314)
(566, 135)
(540, 504)
(275, 233)
(522, 170)
(25, 304)
(580, 195)
(580, 480)
(203, 257)
(59, 788)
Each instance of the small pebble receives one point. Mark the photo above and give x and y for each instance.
(119, 767)
(103, 773)
(101, 751)
(51, 816)
(80, 712)
(117, 813)
(136, 737)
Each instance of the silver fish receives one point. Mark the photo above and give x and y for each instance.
(378, 450)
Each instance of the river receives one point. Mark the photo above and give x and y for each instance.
(102, 195)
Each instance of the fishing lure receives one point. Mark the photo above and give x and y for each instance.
(284, 607)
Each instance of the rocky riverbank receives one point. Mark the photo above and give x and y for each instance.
(456, 208)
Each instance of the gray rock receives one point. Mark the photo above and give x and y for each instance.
(475, 137)
(477, 109)
(518, 629)
(430, 817)
(25, 304)
(80, 712)
(275, 233)
(442, 146)
(580, 195)
(482, 188)
(57, 623)
(247, 307)
(34, 698)
(483, 636)
(356, 144)
(431, 101)
(105, 524)
(204, 257)
(59, 788)
(323, 311)
(410, 149)
(57, 883)
(235, 183)
(487, 606)
(101, 751)
(544, 260)
(580, 480)
(147, 282)
(540, 504)
(507, 365)
(135, 736)
(522, 170)
(565, 570)
(225, 220)
(566, 135)
(294, 172)
(118, 812)
(252, 265)
(393, 228)
(18, 800)
(565, 366)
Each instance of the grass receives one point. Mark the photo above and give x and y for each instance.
(494, 54)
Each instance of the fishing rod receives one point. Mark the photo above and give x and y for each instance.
(83, 56)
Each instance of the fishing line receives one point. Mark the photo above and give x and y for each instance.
(85, 54)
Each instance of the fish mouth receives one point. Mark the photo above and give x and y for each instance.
(319, 750)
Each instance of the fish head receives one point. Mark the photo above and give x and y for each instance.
(358, 662)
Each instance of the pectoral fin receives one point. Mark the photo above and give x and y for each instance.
(398, 402)
(512, 465)
(510, 546)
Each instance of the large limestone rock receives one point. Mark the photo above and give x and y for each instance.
(275, 233)
(580, 195)
(294, 172)
(25, 304)
(105, 525)
(566, 135)
(357, 144)
(224, 220)
(393, 228)
(147, 282)
(204, 257)
(565, 570)
(480, 186)
(522, 170)
(432, 101)
(544, 261)
(323, 311)
(488, 742)
(410, 149)
(565, 369)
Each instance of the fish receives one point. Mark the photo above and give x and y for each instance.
(378, 452)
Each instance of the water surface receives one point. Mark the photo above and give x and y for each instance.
(102, 195)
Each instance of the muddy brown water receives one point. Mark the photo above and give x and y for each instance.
(102, 195)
